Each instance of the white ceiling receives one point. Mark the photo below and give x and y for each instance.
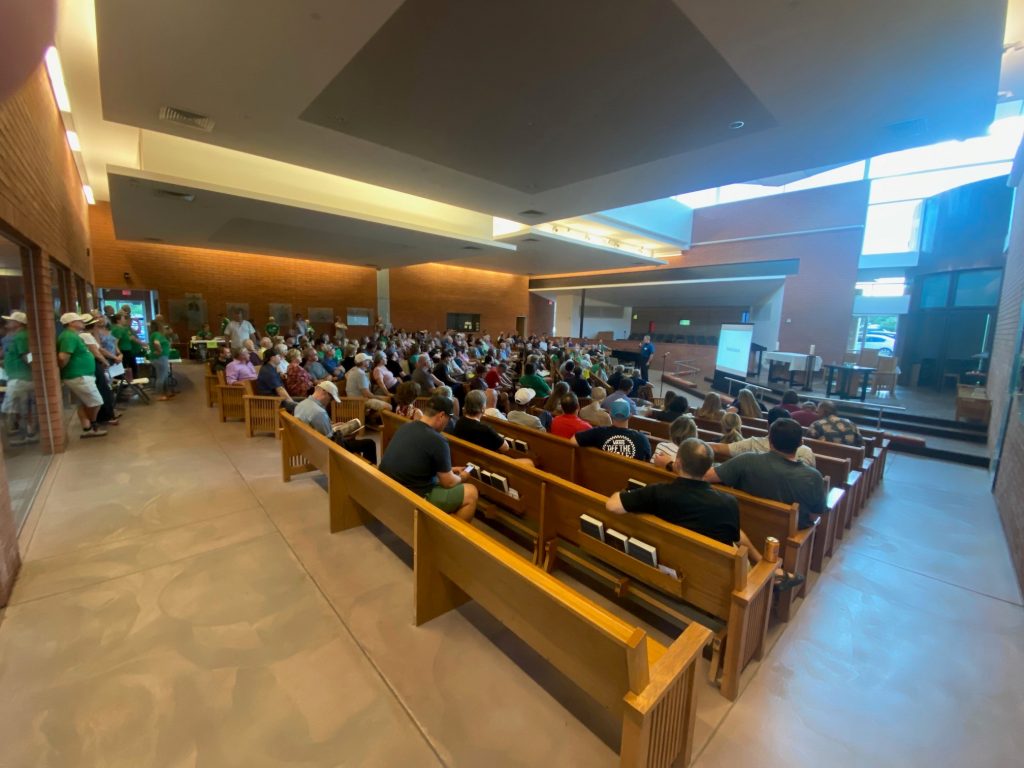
(145, 207)
(843, 80)
(543, 253)
(729, 292)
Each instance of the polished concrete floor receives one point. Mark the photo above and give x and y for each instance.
(181, 606)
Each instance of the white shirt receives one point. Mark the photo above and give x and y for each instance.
(760, 445)
(238, 332)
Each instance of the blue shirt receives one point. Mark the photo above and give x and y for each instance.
(647, 351)
(309, 411)
(268, 380)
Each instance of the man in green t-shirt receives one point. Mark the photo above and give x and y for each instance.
(78, 372)
(531, 380)
(127, 342)
(223, 319)
(17, 407)
(271, 329)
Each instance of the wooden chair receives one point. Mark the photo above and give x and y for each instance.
(261, 413)
(884, 379)
(229, 398)
(212, 393)
(349, 408)
(869, 358)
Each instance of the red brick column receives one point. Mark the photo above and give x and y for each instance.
(42, 342)
(10, 560)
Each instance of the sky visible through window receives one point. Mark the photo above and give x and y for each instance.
(900, 181)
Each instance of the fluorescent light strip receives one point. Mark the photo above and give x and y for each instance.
(73, 142)
(60, 91)
(89, 196)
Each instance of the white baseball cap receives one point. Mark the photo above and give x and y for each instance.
(70, 317)
(361, 358)
(330, 388)
(18, 317)
(524, 395)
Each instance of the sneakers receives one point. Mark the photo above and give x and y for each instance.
(94, 431)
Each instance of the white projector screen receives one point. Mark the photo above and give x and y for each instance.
(734, 349)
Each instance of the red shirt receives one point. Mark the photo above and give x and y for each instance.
(568, 425)
(804, 418)
(492, 377)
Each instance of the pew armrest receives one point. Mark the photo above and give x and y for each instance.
(686, 649)
(759, 576)
(658, 722)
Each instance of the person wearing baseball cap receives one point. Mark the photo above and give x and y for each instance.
(18, 402)
(357, 384)
(518, 410)
(313, 411)
(419, 458)
(618, 438)
(78, 372)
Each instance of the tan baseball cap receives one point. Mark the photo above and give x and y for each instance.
(18, 317)
(330, 388)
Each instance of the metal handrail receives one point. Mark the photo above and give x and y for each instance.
(882, 407)
(746, 384)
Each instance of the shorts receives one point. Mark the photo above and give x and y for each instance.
(18, 396)
(84, 390)
(447, 499)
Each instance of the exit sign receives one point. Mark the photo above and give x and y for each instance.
(684, 322)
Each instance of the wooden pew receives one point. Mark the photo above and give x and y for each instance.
(303, 449)
(617, 663)
(650, 686)
(715, 578)
(229, 398)
(261, 414)
(607, 473)
(210, 383)
(549, 452)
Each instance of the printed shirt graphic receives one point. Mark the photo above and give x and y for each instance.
(619, 440)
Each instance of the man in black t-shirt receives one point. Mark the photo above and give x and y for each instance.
(419, 458)
(618, 438)
(688, 501)
(470, 428)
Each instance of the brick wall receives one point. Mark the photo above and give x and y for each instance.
(40, 192)
(1010, 478)
(226, 276)
(423, 295)
(823, 228)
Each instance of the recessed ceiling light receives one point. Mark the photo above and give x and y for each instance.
(735, 125)
(90, 198)
(73, 142)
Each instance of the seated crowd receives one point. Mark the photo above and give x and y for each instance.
(449, 382)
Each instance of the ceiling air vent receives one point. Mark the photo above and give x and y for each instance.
(187, 119)
(531, 239)
(170, 194)
(153, 239)
(531, 212)
(471, 248)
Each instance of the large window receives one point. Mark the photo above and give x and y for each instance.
(358, 316)
(978, 288)
(935, 291)
(893, 227)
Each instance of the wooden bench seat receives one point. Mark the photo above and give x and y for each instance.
(607, 473)
(714, 578)
(651, 687)
(615, 662)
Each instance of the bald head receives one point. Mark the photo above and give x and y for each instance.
(694, 458)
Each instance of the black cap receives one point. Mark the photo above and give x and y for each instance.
(441, 404)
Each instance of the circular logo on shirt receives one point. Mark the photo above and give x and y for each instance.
(621, 445)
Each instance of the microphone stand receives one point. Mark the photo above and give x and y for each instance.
(664, 360)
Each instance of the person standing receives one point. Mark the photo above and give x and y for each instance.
(18, 404)
(646, 355)
(240, 330)
(78, 373)
(129, 344)
(107, 413)
(272, 329)
(160, 359)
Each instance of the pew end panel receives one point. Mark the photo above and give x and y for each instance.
(303, 449)
(261, 414)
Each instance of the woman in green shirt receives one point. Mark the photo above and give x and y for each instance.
(159, 357)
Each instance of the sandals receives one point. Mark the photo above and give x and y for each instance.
(788, 582)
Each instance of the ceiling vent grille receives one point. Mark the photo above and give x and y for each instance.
(471, 248)
(531, 212)
(170, 194)
(187, 119)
